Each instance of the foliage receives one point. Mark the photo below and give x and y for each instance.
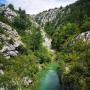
(3, 18)
(11, 6)
(49, 29)
(74, 66)
(63, 34)
(43, 56)
(21, 22)
(86, 25)
(17, 68)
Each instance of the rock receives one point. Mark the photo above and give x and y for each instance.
(12, 53)
(85, 36)
(17, 44)
(26, 81)
(1, 73)
(2, 88)
(47, 16)
(8, 47)
(8, 13)
(10, 41)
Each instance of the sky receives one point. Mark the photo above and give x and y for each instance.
(2, 1)
(36, 6)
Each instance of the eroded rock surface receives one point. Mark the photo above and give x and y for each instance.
(47, 16)
(85, 36)
(9, 40)
(8, 13)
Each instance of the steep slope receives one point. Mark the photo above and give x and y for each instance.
(47, 16)
(73, 13)
(9, 40)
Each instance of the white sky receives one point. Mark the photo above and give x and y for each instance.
(36, 6)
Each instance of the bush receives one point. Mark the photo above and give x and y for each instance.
(43, 56)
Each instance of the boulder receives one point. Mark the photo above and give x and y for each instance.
(85, 36)
(8, 47)
(12, 53)
(26, 81)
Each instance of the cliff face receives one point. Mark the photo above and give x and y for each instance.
(10, 40)
(8, 13)
(47, 16)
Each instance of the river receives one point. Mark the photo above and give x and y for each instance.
(50, 81)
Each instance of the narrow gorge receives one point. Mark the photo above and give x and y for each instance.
(45, 51)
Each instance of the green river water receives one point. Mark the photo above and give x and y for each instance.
(50, 81)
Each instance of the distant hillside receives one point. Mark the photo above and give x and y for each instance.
(47, 16)
(77, 13)
(73, 13)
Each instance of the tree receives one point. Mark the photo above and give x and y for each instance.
(11, 6)
(19, 23)
(86, 25)
(35, 40)
(63, 34)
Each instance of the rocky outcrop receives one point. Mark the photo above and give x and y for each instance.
(10, 40)
(8, 13)
(85, 36)
(47, 16)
